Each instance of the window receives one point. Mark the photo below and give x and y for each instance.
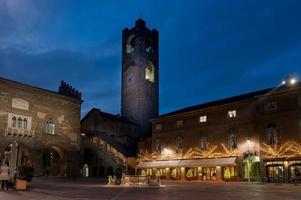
(158, 127)
(203, 118)
(50, 127)
(25, 123)
(14, 122)
(20, 122)
(232, 140)
(129, 45)
(272, 136)
(204, 142)
(179, 123)
(150, 73)
(179, 144)
(271, 106)
(232, 113)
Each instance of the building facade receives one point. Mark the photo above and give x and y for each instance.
(40, 128)
(253, 137)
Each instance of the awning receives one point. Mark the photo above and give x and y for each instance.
(205, 162)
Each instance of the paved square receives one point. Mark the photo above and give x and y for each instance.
(60, 189)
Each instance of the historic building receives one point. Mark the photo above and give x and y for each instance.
(255, 136)
(40, 128)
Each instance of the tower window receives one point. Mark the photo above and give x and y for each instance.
(149, 73)
(129, 45)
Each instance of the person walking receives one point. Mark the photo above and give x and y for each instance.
(4, 176)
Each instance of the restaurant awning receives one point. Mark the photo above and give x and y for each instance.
(202, 162)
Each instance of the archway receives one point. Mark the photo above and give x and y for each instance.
(86, 171)
(251, 167)
(54, 162)
(19, 159)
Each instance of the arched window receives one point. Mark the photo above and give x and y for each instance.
(14, 122)
(20, 122)
(150, 73)
(50, 127)
(232, 139)
(25, 123)
(130, 45)
(271, 133)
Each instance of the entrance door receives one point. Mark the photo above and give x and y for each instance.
(209, 174)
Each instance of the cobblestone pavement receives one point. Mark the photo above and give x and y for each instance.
(83, 189)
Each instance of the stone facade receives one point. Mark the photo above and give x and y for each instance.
(262, 128)
(140, 75)
(45, 124)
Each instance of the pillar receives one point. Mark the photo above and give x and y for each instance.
(183, 174)
(218, 173)
(167, 173)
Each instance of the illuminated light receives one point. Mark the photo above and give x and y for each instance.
(293, 81)
(285, 164)
(257, 159)
(283, 82)
(248, 141)
(82, 134)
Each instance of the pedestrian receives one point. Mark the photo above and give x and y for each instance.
(4, 176)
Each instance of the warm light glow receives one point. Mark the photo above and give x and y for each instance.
(249, 141)
(293, 81)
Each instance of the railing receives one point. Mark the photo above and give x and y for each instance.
(19, 132)
(110, 151)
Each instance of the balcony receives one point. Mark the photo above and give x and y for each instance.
(19, 132)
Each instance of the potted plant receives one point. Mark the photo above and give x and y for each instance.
(25, 176)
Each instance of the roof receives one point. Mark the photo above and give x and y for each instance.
(225, 101)
(126, 151)
(40, 89)
(111, 116)
(204, 162)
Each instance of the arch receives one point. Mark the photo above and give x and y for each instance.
(54, 161)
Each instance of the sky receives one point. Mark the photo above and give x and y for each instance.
(208, 49)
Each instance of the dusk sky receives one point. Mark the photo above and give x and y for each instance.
(209, 49)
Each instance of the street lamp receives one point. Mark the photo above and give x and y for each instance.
(289, 81)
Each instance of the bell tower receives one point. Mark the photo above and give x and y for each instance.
(140, 75)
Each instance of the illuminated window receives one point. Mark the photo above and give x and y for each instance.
(158, 127)
(50, 127)
(203, 118)
(232, 113)
(149, 73)
(271, 106)
(129, 45)
(179, 123)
